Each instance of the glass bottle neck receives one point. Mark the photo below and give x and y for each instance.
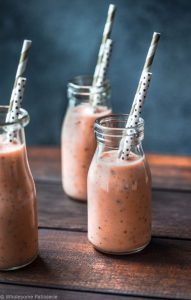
(12, 132)
(80, 91)
(111, 132)
(136, 149)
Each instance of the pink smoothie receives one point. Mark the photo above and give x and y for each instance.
(18, 217)
(78, 147)
(119, 203)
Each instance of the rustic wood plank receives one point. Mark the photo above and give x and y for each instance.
(12, 291)
(67, 260)
(171, 211)
(57, 210)
(45, 163)
(168, 172)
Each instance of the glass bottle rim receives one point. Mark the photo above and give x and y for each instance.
(100, 124)
(82, 84)
(23, 117)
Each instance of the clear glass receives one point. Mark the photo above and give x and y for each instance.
(18, 213)
(77, 137)
(119, 192)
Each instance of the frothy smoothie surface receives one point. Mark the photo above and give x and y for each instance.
(119, 203)
(78, 147)
(18, 219)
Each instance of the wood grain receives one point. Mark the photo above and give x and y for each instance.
(45, 163)
(67, 260)
(12, 291)
(168, 172)
(70, 268)
(171, 211)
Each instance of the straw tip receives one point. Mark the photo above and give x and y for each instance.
(29, 42)
(112, 6)
(157, 33)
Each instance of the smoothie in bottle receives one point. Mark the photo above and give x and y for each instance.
(78, 140)
(18, 214)
(119, 192)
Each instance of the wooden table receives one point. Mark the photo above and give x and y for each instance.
(69, 268)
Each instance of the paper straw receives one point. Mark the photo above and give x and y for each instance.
(17, 99)
(151, 52)
(23, 58)
(103, 69)
(106, 35)
(126, 143)
(21, 68)
(148, 62)
(105, 62)
(12, 116)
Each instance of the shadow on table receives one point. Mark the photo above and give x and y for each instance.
(159, 252)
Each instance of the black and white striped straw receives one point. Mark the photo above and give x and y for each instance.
(103, 70)
(106, 35)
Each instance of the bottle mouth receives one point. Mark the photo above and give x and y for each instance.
(113, 126)
(22, 120)
(82, 85)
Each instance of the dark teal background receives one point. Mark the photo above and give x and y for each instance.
(66, 37)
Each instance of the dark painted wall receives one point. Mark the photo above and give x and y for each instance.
(66, 37)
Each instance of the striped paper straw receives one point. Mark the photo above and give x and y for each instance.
(103, 69)
(21, 68)
(148, 62)
(151, 52)
(12, 116)
(106, 35)
(126, 143)
(105, 62)
(23, 58)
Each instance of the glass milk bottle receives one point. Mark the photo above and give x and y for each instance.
(119, 191)
(78, 140)
(18, 213)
